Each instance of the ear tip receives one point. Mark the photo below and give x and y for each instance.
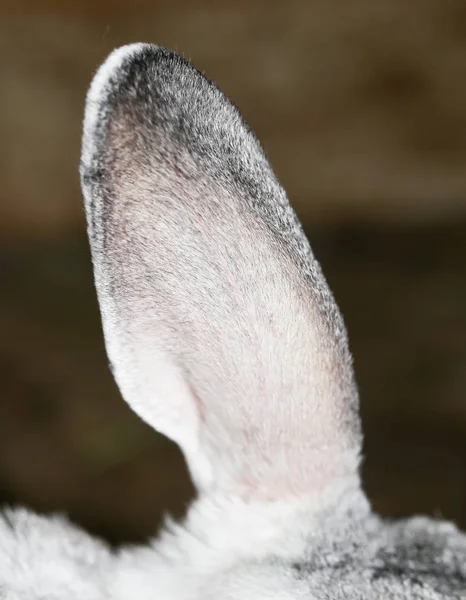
(147, 80)
(117, 68)
(100, 85)
(111, 71)
(114, 61)
(122, 69)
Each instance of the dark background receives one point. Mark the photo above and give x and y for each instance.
(361, 107)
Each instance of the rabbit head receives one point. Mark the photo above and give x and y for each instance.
(223, 335)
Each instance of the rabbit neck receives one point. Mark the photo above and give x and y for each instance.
(228, 525)
(220, 533)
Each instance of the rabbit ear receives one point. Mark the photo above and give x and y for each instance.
(219, 325)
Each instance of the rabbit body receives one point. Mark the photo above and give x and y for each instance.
(340, 552)
(222, 334)
(239, 552)
(48, 558)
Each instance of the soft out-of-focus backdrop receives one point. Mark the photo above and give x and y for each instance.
(361, 107)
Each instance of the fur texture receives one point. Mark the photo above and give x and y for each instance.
(184, 214)
(49, 558)
(222, 333)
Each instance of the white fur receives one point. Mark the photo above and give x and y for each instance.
(221, 537)
(47, 558)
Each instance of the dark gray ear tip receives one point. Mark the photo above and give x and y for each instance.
(148, 80)
(129, 67)
(116, 78)
(138, 70)
(124, 64)
(118, 73)
(150, 92)
(160, 97)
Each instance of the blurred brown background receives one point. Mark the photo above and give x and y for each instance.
(361, 107)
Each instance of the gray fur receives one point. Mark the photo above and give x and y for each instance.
(417, 558)
(223, 334)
